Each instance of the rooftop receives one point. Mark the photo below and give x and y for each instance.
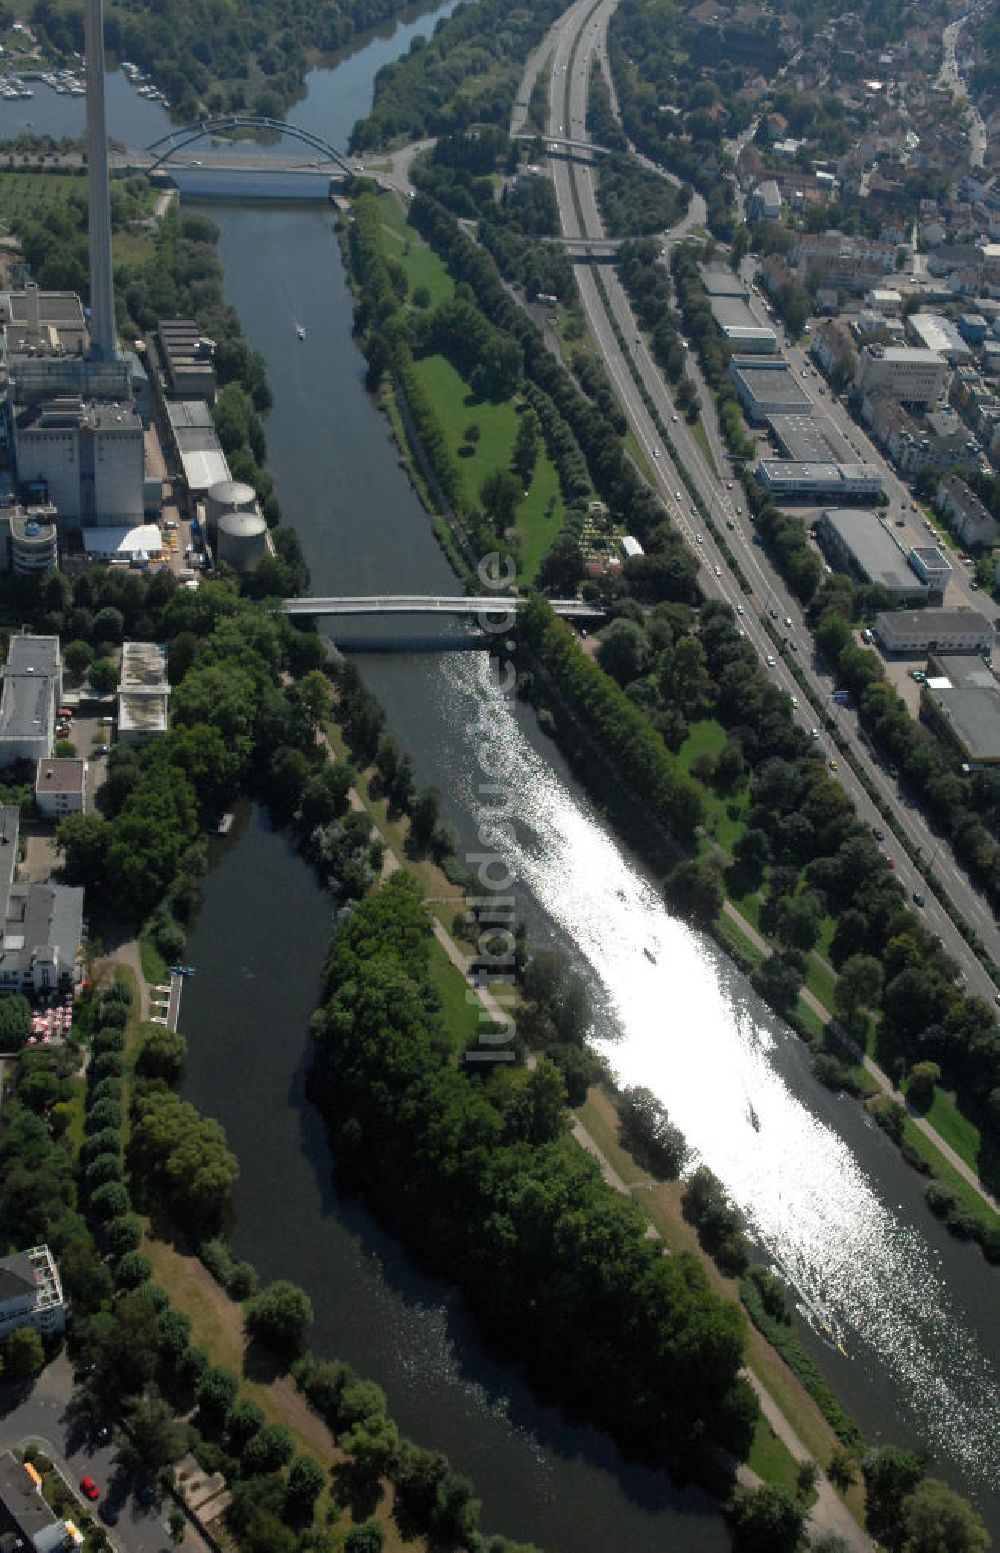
(902, 624)
(810, 438)
(60, 776)
(873, 550)
(23, 1511)
(773, 382)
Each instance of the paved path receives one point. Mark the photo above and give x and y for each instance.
(128, 954)
(881, 1078)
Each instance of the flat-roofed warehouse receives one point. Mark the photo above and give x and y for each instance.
(196, 446)
(933, 630)
(765, 388)
(961, 702)
(818, 481)
(855, 540)
(739, 327)
(143, 693)
(811, 439)
(720, 281)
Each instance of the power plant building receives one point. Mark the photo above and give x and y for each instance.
(84, 457)
(196, 446)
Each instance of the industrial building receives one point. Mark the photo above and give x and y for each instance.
(855, 541)
(961, 702)
(32, 690)
(44, 344)
(60, 787)
(84, 457)
(29, 540)
(935, 332)
(931, 566)
(143, 693)
(966, 516)
(739, 328)
(721, 281)
(30, 1292)
(181, 356)
(196, 446)
(818, 482)
(765, 388)
(911, 375)
(810, 439)
(933, 630)
(41, 926)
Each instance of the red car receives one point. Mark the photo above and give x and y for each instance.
(90, 1488)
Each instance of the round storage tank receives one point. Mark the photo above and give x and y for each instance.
(227, 496)
(242, 540)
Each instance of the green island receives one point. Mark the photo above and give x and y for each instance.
(649, 1316)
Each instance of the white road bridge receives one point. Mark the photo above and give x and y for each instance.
(432, 604)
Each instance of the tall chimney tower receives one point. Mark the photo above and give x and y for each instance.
(102, 296)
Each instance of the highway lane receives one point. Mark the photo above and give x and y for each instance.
(579, 34)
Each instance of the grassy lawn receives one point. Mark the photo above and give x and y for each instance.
(770, 1459)
(948, 1176)
(821, 979)
(956, 1129)
(708, 737)
(540, 513)
(731, 937)
(700, 436)
(154, 967)
(422, 265)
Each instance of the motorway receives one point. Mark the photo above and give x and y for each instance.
(577, 38)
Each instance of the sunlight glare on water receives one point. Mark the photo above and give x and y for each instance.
(673, 1014)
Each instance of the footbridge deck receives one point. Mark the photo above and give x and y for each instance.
(432, 604)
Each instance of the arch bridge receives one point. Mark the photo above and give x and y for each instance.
(178, 139)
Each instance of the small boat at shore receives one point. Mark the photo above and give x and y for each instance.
(300, 331)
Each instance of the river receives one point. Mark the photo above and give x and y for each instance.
(901, 1317)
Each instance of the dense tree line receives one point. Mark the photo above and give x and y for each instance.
(666, 102)
(244, 58)
(466, 73)
(477, 1170)
(617, 722)
(634, 201)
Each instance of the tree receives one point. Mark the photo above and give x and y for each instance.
(280, 1317)
(77, 658)
(269, 1449)
(859, 983)
(216, 1392)
(890, 1475)
(696, 889)
(500, 493)
(23, 1354)
(15, 1022)
(424, 814)
(622, 650)
(162, 1054)
(306, 1479)
(369, 1538)
(920, 1089)
(843, 1469)
(766, 1520)
(103, 676)
(937, 1520)
(154, 1436)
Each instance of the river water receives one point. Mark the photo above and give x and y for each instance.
(900, 1316)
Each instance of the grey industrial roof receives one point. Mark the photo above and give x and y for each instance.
(720, 281)
(932, 622)
(874, 551)
(822, 476)
(810, 438)
(973, 712)
(27, 686)
(734, 317)
(771, 381)
(968, 673)
(189, 412)
(33, 654)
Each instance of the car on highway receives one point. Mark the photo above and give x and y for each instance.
(698, 539)
(740, 610)
(788, 622)
(919, 899)
(770, 660)
(814, 733)
(718, 571)
(832, 764)
(890, 860)
(674, 419)
(795, 701)
(89, 1488)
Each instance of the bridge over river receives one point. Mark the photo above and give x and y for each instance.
(431, 604)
